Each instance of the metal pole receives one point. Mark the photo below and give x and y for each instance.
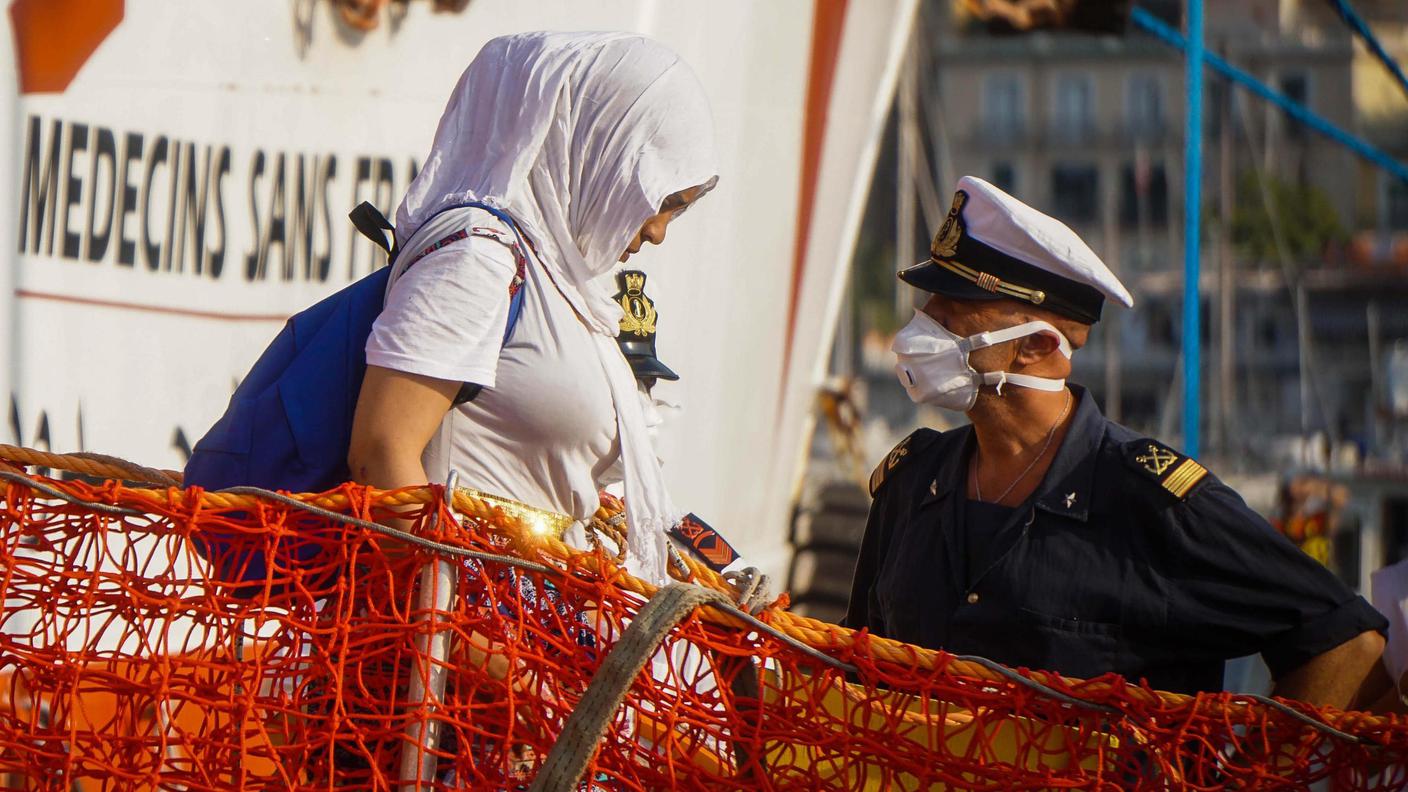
(437, 593)
(1303, 354)
(1376, 356)
(1114, 407)
(1227, 339)
(1192, 211)
(904, 184)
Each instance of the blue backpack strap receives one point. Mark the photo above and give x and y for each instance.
(515, 286)
(469, 390)
(372, 223)
(525, 248)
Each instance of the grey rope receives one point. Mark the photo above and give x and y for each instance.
(722, 603)
(1306, 719)
(1016, 678)
(26, 481)
(386, 530)
(565, 763)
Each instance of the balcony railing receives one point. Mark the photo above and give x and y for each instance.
(1068, 135)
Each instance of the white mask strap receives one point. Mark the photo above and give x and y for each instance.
(993, 337)
(1000, 378)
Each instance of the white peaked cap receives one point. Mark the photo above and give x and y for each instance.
(994, 246)
(1005, 223)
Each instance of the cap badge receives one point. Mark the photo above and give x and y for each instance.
(946, 241)
(639, 311)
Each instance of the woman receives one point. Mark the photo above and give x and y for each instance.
(592, 144)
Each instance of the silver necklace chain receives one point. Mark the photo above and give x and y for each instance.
(978, 484)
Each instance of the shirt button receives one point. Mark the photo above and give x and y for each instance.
(972, 598)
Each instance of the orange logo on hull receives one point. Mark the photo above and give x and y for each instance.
(54, 38)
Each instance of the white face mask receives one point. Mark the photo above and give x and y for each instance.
(933, 362)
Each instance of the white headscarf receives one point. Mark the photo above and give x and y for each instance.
(579, 137)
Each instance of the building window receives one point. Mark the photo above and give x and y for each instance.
(1144, 105)
(1004, 177)
(1296, 87)
(1216, 106)
(1075, 191)
(1163, 333)
(1002, 107)
(1143, 194)
(1396, 203)
(1267, 332)
(1073, 111)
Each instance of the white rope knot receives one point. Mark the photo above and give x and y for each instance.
(752, 589)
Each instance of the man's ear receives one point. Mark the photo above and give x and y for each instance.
(1036, 347)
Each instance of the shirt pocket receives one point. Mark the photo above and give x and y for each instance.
(1073, 647)
(899, 588)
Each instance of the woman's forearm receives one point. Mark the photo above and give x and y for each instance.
(386, 467)
(397, 415)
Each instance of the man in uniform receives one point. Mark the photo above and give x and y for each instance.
(1044, 535)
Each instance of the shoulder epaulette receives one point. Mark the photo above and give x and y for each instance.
(907, 448)
(1169, 469)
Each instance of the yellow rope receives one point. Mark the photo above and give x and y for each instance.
(98, 465)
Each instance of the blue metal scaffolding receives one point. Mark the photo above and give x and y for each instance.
(1192, 216)
(1196, 57)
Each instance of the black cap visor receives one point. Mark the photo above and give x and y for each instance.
(643, 366)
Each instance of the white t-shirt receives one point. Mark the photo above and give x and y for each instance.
(657, 412)
(543, 429)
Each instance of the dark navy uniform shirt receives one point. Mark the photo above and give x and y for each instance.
(1129, 557)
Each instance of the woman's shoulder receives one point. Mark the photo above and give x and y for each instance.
(478, 241)
(457, 223)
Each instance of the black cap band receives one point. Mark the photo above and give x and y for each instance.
(977, 271)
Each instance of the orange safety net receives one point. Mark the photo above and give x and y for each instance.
(126, 664)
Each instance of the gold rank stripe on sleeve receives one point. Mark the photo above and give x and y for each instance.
(1176, 473)
(917, 441)
(1183, 477)
(888, 463)
(877, 477)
